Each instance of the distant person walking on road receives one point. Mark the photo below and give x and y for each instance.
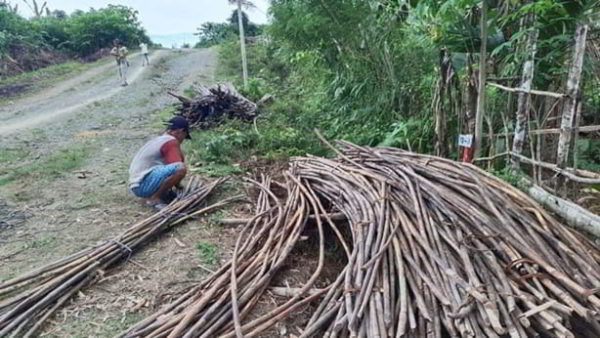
(120, 53)
(144, 48)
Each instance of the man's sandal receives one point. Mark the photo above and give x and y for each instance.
(156, 205)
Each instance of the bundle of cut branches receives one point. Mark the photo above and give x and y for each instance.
(30, 299)
(213, 105)
(433, 248)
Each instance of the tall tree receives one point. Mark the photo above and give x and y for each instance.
(4, 4)
(35, 8)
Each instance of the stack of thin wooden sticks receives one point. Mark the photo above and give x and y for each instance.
(27, 301)
(211, 106)
(433, 248)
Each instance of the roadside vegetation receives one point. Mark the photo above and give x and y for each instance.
(61, 161)
(53, 36)
(370, 72)
(214, 33)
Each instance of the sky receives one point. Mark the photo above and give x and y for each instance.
(163, 17)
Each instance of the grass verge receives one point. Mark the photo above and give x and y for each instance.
(48, 76)
(61, 161)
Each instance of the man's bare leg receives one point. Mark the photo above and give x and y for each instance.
(123, 71)
(168, 184)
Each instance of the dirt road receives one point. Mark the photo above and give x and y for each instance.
(51, 104)
(64, 154)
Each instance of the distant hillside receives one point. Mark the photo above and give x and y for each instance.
(174, 40)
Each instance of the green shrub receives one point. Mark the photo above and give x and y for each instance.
(81, 34)
(97, 29)
(208, 252)
(588, 154)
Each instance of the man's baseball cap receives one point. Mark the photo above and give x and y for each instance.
(179, 122)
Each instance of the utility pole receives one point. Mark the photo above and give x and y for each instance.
(482, 79)
(242, 44)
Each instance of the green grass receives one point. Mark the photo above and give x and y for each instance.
(506, 174)
(214, 151)
(52, 72)
(48, 76)
(217, 169)
(208, 252)
(160, 116)
(43, 243)
(87, 199)
(117, 325)
(44, 73)
(214, 218)
(9, 155)
(142, 102)
(5, 277)
(61, 161)
(111, 120)
(118, 322)
(39, 134)
(189, 92)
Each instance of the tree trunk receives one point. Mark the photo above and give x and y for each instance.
(576, 134)
(470, 101)
(524, 100)
(242, 44)
(440, 122)
(443, 86)
(576, 216)
(482, 79)
(570, 107)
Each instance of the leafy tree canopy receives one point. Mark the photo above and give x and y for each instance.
(212, 33)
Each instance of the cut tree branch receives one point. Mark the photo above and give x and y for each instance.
(585, 129)
(576, 216)
(532, 91)
(570, 173)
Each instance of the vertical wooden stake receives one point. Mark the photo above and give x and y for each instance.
(242, 44)
(524, 100)
(482, 79)
(570, 107)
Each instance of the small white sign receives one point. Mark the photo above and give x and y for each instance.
(465, 140)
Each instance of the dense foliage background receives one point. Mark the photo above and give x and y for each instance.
(27, 44)
(370, 72)
(214, 33)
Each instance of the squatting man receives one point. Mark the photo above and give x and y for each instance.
(159, 166)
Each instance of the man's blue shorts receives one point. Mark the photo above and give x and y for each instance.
(152, 181)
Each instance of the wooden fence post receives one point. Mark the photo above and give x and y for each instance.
(524, 100)
(570, 107)
(482, 80)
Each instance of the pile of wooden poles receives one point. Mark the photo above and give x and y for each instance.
(433, 248)
(213, 105)
(218, 304)
(28, 300)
